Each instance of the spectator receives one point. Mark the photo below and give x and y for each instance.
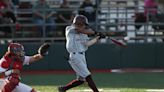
(43, 16)
(150, 9)
(88, 9)
(139, 18)
(15, 2)
(3, 6)
(11, 4)
(6, 17)
(64, 16)
(150, 14)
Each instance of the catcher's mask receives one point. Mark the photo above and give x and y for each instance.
(80, 19)
(16, 49)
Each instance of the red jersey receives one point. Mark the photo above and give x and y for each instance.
(11, 62)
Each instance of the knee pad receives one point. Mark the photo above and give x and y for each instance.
(14, 81)
(10, 85)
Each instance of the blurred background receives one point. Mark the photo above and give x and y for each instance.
(33, 22)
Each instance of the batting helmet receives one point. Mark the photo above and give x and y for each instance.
(16, 49)
(81, 19)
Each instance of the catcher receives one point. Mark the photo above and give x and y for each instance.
(11, 65)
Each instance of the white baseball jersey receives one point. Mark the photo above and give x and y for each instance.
(75, 41)
(75, 45)
(21, 87)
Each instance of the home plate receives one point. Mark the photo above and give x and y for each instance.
(89, 90)
(155, 90)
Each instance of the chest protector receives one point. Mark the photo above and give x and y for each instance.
(12, 62)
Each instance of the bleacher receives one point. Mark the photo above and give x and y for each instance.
(24, 14)
(115, 17)
(118, 16)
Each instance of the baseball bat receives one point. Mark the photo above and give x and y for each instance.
(117, 42)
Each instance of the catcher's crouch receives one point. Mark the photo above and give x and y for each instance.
(11, 65)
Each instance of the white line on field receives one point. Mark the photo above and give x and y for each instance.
(155, 90)
(89, 90)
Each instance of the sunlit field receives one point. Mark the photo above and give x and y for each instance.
(106, 82)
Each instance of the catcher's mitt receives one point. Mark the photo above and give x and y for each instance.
(43, 49)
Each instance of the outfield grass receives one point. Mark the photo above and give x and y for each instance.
(126, 82)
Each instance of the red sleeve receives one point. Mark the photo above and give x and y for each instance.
(5, 65)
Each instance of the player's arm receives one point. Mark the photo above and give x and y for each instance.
(87, 31)
(42, 51)
(49, 15)
(90, 31)
(35, 58)
(92, 41)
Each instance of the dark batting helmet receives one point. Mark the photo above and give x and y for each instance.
(81, 19)
(17, 49)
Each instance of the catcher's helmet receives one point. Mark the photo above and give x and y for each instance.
(81, 19)
(17, 49)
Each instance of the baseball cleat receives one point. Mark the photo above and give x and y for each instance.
(61, 89)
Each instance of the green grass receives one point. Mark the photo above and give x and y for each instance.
(126, 82)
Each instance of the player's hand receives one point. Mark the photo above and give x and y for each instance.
(100, 34)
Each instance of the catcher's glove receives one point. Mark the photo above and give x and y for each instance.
(43, 49)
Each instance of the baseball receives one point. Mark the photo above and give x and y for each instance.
(126, 38)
